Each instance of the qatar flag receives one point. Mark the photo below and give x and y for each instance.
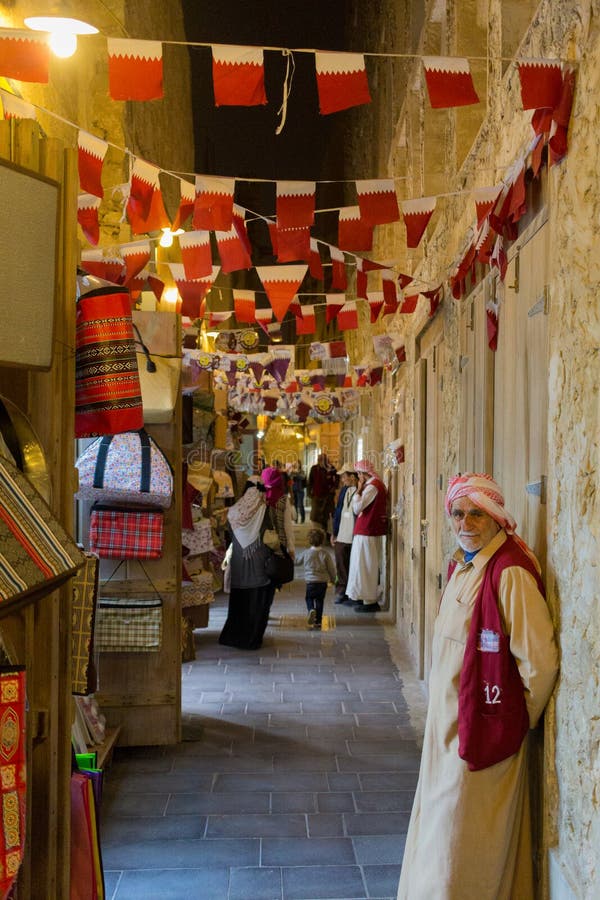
(290, 244)
(192, 291)
(333, 304)
(484, 243)
(157, 217)
(87, 216)
(339, 276)
(104, 267)
(135, 256)
(232, 251)
(280, 284)
(449, 82)
(390, 291)
(135, 69)
(239, 223)
(196, 254)
(353, 232)
(558, 143)
(15, 108)
(263, 317)
(347, 318)
(409, 304)
(315, 265)
(363, 267)
(541, 83)
(244, 304)
(217, 317)
(498, 258)
(295, 205)
(416, 214)
(485, 198)
(144, 181)
(307, 322)
(375, 301)
(238, 75)
(90, 157)
(24, 55)
(341, 81)
(213, 207)
(491, 315)
(186, 203)
(377, 202)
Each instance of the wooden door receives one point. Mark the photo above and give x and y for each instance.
(476, 390)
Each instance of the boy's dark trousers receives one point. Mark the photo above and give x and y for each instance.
(315, 597)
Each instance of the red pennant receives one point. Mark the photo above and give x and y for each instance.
(498, 257)
(485, 198)
(106, 268)
(186, 204)
(562, 113)
(416, 214)
(307, 322)
(232, 251)
(24, 56)
(435, 298)
(90, 157)
(144, 180)
(262, 317)
(192, 292)
(280, 284)
(136, 256)
(213, 207)
(377, 202)
(375, 375)
(157, 217)
(196, 254)
(409, 304)
(135, 69)
(290, 244)
(347, 318)
(390, 291)
(339, 277)
(217, 317)
(244, 303)
(333, 303)
(518, 205)
(156, 286)
(315, 266)
(400, 352)
(87, 216)
(341, 81)
(485, 243)
(15, 108)
(375, 301)
(449, 82)
(238, 75)
(353, 232)
(491, 313)
(295, 204)
(363, 266)
(541, 83)
(239, 223)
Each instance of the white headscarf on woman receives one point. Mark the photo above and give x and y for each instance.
(245, 518)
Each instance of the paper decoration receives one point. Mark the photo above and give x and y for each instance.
(347, 318)
(339, 277)
(315, 266)
(239, 223)
(375, 301)
(377, 202)
(232, 251)
(329, 350)
(491, 314)
(186, 204)
(213, 206)
(15, 108)
(135, 69)
(353, 232)
(280, 284)
(192, 291)
(238, 75)
(90, 157)
(541, 82)
(485, 198)
(341, 81)
(144, 181)
(390, 292)
(295, 206)
(449, 82)
(24, 55)
(435, 298)
(290, 244)
(244, 304)
(363, 266)
(409, 304)
(196, 255)
(107, 268)
(306, 323)
(87, 216)
(262, 317)
(135, 255)
(217, 317)
(560, 120)
(416, 214)
(333, 304)
(498, 258)
(157, 217)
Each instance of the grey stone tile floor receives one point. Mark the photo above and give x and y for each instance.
(295, 777)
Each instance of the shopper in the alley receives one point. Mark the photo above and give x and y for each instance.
(369, 505)
(343, 531)
(319, 571)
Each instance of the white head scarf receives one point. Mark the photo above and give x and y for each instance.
(245, 517)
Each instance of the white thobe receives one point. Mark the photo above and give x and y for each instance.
(365, 556)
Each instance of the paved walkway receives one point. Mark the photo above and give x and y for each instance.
(296, 776)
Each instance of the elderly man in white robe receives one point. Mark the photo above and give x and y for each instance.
(469, 834)
(369, 505)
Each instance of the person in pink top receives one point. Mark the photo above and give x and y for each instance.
(369, 505)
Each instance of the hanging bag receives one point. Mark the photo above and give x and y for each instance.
(279, 565)
(159, 380)
(126, 532)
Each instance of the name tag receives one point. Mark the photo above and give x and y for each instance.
(489, 641)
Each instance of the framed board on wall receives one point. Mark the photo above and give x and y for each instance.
(28, 265)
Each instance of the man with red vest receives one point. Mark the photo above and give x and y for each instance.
(369, 505)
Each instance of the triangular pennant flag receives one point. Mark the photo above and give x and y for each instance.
(156, 285)
(295, 205)
(348, 317)
(485, 198)
(144, 181)
(404, 280)
(138, 283)
(435, 298)
(232, 251)
(135, 69)
(263, 317)
(217, 317)
(213, 207)
(399, 349)
(239, 223)
(186, 204)
(244, 304)
(409, 304)
(498, 258)
(333, 304)
(390, 292)
(363, 266)
(307, 322)
(377, 202)
(491, 315)
(416, 214)
(315, 266)
(192, 292)
(24, 55)
(90, 157)
(560, 120)
(135, 255)
(518, 204)
(87, 216)
(278, 368)
(157, 217)
(375, 375)
(104, 267)
(15, 108)
(196, 254)
(375, 301)
(485, 243)
(290, 244)
(341, 81)
(280, 284)
(449, 82)
(238, 75)
(339, 276)
(541, 82)
(353, 232)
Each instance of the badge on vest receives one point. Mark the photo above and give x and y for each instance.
(489, 641)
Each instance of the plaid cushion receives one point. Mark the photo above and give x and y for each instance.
(128, 626)
(126, 533)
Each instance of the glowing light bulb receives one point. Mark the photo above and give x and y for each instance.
(63, 32)
(166, 238)
(171, 296)
(63, 44)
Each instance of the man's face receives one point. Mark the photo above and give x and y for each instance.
(473, 528)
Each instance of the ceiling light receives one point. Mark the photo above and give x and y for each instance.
(167, 236)
(63, 32)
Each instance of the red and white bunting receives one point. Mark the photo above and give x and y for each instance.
(280, 284)
(375, 300)
(435, 297)
(341, 81)
(157, 217)
(290, 244)
(217, 317)
(263, 317)
(137, 284)
(144, 181)
(244, 304)
(238, 75)
(186, 203)
(213, 206)
(15, 108)
(24, 55)
(196, 254)
(333, 304)
(449, 82)
(377, 202)
(307, 322)
(339, 276)
(390, 292)
(498, 258)
(232, 251)
(485, 198)
(484, 243)
(328, 350)
(135, 69)
(295, 205)
(541, 83)
(192, 291)
(558, 143)
(416, 214)
(491, 315)
(315, 266)
(107, 268)
(347, 318)
(87, 216)
(363, 267)
(90, 157)
(239, 223)
(353, 232)
(409, 304)
(135, 256)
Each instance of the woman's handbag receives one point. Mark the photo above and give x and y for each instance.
(279, 566)
(159, 381)
(128, 625)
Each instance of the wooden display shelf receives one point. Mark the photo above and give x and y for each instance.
(104, 751)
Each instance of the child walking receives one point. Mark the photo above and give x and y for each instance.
(319, 568)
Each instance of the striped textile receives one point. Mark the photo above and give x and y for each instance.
(83, 611)
(120, 533)
(128, 626)
(13, 783)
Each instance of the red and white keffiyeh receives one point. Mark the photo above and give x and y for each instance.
(484, 492)
(366, 466)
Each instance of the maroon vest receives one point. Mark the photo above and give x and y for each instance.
(492, 713)
(372, 521)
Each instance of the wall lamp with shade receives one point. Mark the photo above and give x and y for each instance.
(63, 32)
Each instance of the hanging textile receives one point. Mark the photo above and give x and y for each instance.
(13, 779)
